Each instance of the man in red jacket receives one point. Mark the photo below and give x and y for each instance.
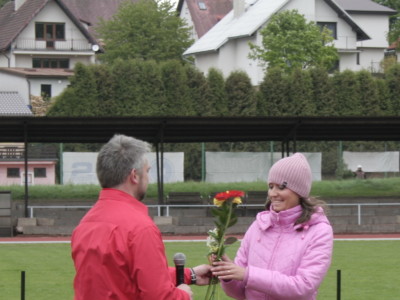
(117, 249)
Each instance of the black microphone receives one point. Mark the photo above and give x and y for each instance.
(179, 261)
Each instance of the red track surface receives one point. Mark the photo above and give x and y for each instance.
(22, 238)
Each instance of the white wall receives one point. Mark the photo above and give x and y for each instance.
(185, 15)
(80, 167)
(376, 27)
(12, 83)
(57, 85)
(51, 13)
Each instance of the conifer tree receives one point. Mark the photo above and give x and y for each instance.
(345, 89)
(383, 97)
(392, 77)
(368, 94)
(273, 93)
(241, 94)
(80, 98)
(322, 92)
(198, 91)
(106, 91)
(216, 92)
(174, 77)
(139, 86)
(300, 94)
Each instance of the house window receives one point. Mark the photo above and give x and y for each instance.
(329, 25)
(54, 63)
(202, 5)
(50, 32)
(45, 91)
(13, 173)
(39, 172)
(358, 58)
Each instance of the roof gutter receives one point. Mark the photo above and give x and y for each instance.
(8, 59)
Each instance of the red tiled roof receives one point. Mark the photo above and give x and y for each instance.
(204, 20)
(91, 11)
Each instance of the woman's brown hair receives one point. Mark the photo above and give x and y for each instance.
(309, 206)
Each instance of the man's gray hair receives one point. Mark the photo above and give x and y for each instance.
(118, 157)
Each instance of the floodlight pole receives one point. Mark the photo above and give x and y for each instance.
(26, 196)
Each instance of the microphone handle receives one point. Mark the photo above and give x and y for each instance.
(180, 275)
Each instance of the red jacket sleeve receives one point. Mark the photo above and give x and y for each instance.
(150, 267)
(188, 277)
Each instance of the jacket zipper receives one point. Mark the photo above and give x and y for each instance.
(275, 247)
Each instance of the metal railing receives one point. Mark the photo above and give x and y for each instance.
(62, 45)
(167, 207)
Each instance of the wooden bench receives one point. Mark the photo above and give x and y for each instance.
(179, 198)
(255, 197)
(187, 199)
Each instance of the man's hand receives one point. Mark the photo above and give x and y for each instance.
(187, 289)
(203, 274)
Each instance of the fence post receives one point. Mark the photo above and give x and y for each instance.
(339, 283)
(22, 285)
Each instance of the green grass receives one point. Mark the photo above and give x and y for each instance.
(388, 187)
(370, 269)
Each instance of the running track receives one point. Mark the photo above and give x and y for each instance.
(20, 239)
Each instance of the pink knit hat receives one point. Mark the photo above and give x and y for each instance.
(295, 171)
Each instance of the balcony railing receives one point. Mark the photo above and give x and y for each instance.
(18, 153)
(66, 45)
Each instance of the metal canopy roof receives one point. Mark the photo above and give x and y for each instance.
(199, 129)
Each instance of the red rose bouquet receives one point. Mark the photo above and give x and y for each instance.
(224, 213)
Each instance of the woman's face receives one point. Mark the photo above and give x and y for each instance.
(281, 197)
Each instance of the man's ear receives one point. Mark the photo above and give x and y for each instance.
(134, 176)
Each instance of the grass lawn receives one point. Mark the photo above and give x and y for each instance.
(370, 269)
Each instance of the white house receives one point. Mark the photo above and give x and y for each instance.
(359, 28)
(40, 43)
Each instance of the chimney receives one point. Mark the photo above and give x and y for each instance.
(18, 4)
(238, 8)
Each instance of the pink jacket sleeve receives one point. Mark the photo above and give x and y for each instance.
(310, 273)
(302, 286)
(234, 288)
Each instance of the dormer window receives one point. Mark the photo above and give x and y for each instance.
(202, 5)
(331, 26)
(50, 32)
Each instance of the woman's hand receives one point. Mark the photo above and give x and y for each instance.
(227, 270)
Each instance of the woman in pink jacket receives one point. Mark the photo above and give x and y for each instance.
(287, 251)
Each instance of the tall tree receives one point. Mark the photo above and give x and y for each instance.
(2, 2)
(174, 77)
(300, 94)
(273, 93)
(368, 94)
(392, 78)
(290, 42)
(147, 29)
(242, 100)
(198, 91)
(80, 98)
(322, 96)
(394, 29)
(345, 89)
(384, 97)
(217, 93)
(138, 86)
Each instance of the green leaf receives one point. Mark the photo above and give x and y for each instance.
(230, 240)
